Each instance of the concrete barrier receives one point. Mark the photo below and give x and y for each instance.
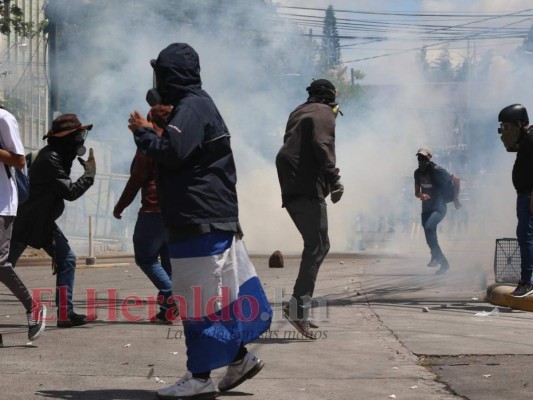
(499, 294)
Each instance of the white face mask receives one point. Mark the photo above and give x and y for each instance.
(510, 135)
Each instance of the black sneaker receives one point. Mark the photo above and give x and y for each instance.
(301, 325)
(286, 313)
(522, 290)
(162, 318)
(36, 322)
(442, 270)
(75, 320)
(433, 263)
(312, 323)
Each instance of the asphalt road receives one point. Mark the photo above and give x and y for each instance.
(389, 328)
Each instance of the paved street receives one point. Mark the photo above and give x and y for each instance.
(389, 328)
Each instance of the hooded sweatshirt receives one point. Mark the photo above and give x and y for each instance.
(306, 161)
(196, 176)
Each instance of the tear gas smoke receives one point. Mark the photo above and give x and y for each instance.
(376, 138)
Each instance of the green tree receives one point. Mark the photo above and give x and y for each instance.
(442, 68)
(12, 21)
(423, 63)
(330, 53)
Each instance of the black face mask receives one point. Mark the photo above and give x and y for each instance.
(510, 136)
(423, 163)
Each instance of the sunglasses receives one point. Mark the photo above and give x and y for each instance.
(505, 126)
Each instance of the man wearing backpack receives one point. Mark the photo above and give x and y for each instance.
(12, 156)
(430, 187)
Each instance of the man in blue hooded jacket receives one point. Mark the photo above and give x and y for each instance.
(196, 181)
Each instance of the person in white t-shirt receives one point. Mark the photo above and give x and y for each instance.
(12, 156)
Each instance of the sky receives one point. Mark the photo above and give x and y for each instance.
(377, 56)
(376, 142)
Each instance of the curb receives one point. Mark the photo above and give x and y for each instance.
(499, 294)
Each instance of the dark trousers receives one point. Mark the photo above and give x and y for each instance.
(430, 221)
(8, 276)
(524, 234)
(64, 260)
(311, 219)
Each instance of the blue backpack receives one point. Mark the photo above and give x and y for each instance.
(23, 182)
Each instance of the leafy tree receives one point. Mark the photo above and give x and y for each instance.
(442, 68)
(12, 21)
(330, 53)
(422, 61)
(462, 71)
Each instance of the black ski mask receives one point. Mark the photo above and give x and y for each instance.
(423, 162)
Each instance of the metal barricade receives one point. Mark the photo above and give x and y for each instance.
(507, 261)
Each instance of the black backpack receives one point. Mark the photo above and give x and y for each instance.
(448, 189)
(450, 185)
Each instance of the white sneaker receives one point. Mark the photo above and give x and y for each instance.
(239, 371)
(189, 388)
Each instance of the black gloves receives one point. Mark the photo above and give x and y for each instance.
(336, 192)
(89, 165)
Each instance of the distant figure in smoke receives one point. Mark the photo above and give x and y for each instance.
(12, 156)
(50, 186)
(307, 175)
(222, 303)
(150, 242)
(430, 180)
(517, 136)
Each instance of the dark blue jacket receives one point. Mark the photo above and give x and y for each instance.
(196, 174)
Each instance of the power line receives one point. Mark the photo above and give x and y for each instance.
(386, 27)
(424, 47)
(442, 34)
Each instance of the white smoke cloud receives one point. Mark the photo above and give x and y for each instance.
(376, 143)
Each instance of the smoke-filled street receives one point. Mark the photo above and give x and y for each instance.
(387, 326)
(167, 143)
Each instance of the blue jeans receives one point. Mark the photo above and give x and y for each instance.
(430, 221)
(524, 234)
(64, 260)
(150, 244)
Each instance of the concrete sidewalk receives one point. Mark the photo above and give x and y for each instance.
(389, 328)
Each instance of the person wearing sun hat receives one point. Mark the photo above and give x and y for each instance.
(50, 186)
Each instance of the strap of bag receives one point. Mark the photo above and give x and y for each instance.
(8, 170)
